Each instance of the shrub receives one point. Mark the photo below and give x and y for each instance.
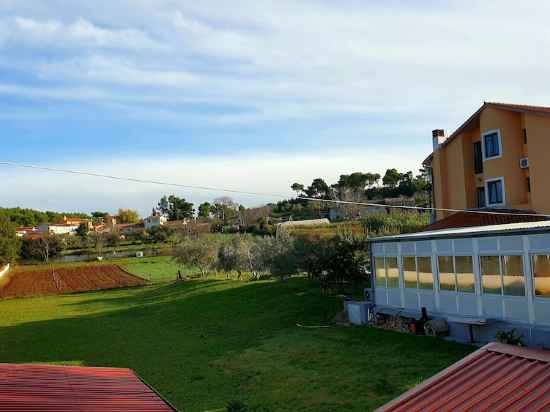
(201, 253)
(395, 223)
(9, 244)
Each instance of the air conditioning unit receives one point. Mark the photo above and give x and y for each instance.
(524, 163)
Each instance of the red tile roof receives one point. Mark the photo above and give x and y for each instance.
(497, 377)
(465, 219)
(32, 388)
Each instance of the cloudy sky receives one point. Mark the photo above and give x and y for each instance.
(246, 94)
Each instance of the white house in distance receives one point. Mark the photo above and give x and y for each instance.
(58, 228)
(154, 220)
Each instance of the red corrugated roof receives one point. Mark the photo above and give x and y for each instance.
(465, 219)
(497, 377)
(70, 388)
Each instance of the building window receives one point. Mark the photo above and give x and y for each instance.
(513, 281)
(447, 279)
(480, 195)
(410, 275)
(392, 272)
(502, 275)
(541, 274)
(490, 275)
(529, 185)
(478, 158)
(524, 136)
(492, 145)
(380, 272)
(495, 192)
(425, 274)
(465, 278)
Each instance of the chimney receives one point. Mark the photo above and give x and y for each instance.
(438, 138)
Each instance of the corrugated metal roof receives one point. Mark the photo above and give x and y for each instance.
(511, 228)
(497, 377)
(70, 388)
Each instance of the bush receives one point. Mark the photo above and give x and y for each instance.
(201, 253)
(395, 223)
(9, 243)
(43, 248)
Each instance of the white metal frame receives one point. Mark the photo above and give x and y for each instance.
(502, 181)
(499, 139)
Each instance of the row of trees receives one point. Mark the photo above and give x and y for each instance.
(337, 259)
(30, 217)
(366, 186)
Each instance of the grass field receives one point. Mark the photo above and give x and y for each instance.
(204, 343)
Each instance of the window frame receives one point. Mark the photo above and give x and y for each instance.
(387, 272)
(453, 273)
(499, 141)
(478, 162)
(487, 198)
(376, 268)
(534, 277)
(501, 257)
(415, 271)
(481, 194)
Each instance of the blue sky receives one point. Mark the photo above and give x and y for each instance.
(246, 94)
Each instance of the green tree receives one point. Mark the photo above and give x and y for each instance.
(9, 243)
(126, 216)
(391, 178)
(319, 189)
(298, 188)
(82, 231)
(200, 253)
(43, 248)
(175, 208)
(205, 209)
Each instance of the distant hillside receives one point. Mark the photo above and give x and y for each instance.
(31, 217)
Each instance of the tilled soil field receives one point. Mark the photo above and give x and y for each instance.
(31, 282)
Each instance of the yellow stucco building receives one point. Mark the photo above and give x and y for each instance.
(498, 158)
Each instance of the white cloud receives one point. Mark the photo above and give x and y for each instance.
(288, 60)
(77, 34)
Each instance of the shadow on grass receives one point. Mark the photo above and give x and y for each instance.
(202, 343)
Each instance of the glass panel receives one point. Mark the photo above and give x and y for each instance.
(495, 192)
(491, 145)
(447, 279)
(392, 272)
(541, 272)
(512, 276)
(409, 272)
(380, 272)
(465, 277)
(490, 274)
(425, 275)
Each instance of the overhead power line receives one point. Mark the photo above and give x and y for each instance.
(262, 194)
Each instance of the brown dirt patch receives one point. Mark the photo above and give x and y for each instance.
(67, 280)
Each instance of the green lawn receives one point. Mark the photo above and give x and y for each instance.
(204, 343)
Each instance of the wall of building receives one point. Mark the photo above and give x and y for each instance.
(455, 183)
(528, 312)
(510, 126)
(538, 152)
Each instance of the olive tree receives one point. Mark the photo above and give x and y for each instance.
(200, 253)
